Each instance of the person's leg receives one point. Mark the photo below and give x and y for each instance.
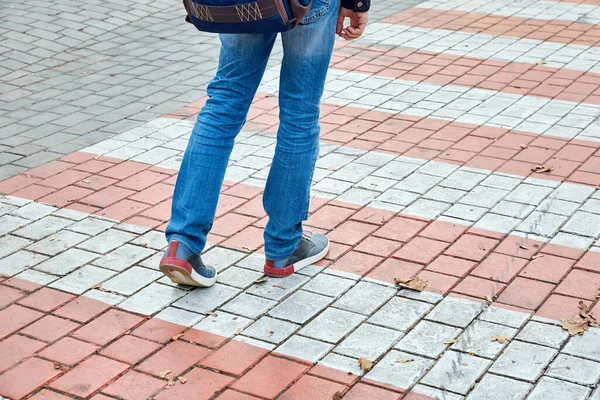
(307, 53)
(242, 62)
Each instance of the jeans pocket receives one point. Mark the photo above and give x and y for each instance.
(318, 9)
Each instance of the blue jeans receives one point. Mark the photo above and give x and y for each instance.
(242, 62)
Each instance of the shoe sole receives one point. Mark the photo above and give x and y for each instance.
(287, 271)
(179, 273)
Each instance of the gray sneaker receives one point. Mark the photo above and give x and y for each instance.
(312, 248)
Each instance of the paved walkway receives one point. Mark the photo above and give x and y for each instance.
(431, 125)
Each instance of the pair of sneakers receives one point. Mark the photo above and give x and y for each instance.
(186, 268)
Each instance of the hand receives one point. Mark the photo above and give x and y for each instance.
(358, 23)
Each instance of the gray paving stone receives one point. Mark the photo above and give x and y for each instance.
(328, 285)
(399, 374)
(428, 297)
(332, 325)
(463, 180)
(179, 317)
(238, 277)
(300, 307)
(248, 306)
(131, 280)
(541, 223)
(57, 243)
(512, 209)
(19, 261)
(499, 315)
(34, 276)
(400, 314)
(494, 387)
(482, 196)
(277, 288)
(34, 211)
(221, 258)
(573, 192)
(364, 298)
(595, 395)
(107, 241)
(583, 223)
(497, 223)
(456, 372)
(82, 279)
(223, 324)
(466, 212)
(123, 257)
(456, 311)
(43, 227)
(477, 339)
(342, 363)
(304, 348)
(9, 223)
(66, 262)
(91, 226)
(427, 339)
(436, 394)
(574, 369)
(556, 206)
(586, 345)
(271, 330)
(254, 261)
(207, 299)
(544, 334)
(151, 299)
(368, 341)
(528, 194)
(105, 297)
(153, 240)
(426, 208)
(70, 214)
(523, 361)
(554, 389)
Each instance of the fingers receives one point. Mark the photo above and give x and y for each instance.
(340, 24)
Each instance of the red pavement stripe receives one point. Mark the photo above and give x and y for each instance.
(498, 25)
(447, 69)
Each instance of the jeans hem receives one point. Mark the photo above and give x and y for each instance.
(184, 240)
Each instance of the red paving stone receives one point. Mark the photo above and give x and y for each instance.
(130, 349)
(201, 385)
(89, 376)
(46, 299)
(234, 357)
(14, 317)
(176, 357)
(9, 295)
(68, 351)
(158, 330)
(16, 348)
(135, 386)
(311, 387)
(270, 377)
(107, 327)
(82, 309)
(26, 378)
(362, 391)
(525, 293)
(50, 328)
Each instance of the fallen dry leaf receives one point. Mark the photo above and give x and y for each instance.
(84, 181)
(53, 238)
(500, 339)
(182, 379)
(176, 337)
(541, 169)
(415, 283)
(279, 286)
(238, 331)
(450, 341)
(170, 383)
(523, 247)
(541, 62)
(489, 298)
(537, 256)
(405, 360)
(261, 280)
(580, 323)
(523, 146)
(212, 314)
(337, 396)
(128, 332)
(164, 373)
(365, 364)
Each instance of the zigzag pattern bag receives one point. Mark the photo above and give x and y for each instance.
(244, 16)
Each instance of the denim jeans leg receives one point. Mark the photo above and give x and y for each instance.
(242, 62)
(307, 53)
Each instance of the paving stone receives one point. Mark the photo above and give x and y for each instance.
(19, 261)
(595, 395)
(152, 299)
(300, 307)
(179, 317)
(528, 194)
(582, 223)
(66, 262)
(40, 278)
(368, 341)
(456, 311)
(277, 288)
(512, 209)
(523, 361)
(43, 227)
(544, 334)
(426, 209)
(104, 297)
(554, 389)
(304, 348)
(364, 298)
(462, 180)
(82, 279)
(494, 387)
(342, 363)
(400, 314)
(91, 226)
(153, 239)
(541, 223)
(123, 257)
(70, 214)
(427, 339)
(9, 223)
(573, 369)
(328, 285)
(436, 394)
(248, 306)
(503, 316)
(477, 339)
(456, 372)
(223, 324)
(399, 374)
(271, 330)
(221, 258)
(238, 277)
(207, 299)
(57, 243)
(573, 192)
(107, 241)
(428, 297)
(332, 325)
(34, 211)
(586, 346)
(131, 280)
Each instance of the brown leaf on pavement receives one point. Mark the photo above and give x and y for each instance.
(580, 323)
(405, 360)
(164, 373)
(365, 364)
(415, 283)
(176, 337)
(279, 286)
(182, 380)
(337, 396)
(541, 169)
(261, 280)
(212, 314)
(450, 341)
(170, 383)
(537, 256)
(500, 339)
(489, 298)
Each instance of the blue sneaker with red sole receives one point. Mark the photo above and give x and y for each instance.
(311, 249)
(184, 267)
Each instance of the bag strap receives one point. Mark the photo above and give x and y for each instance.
(253, 11)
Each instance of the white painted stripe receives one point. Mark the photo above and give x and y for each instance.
(533, 114)
(504, 48)
(545, 10)
(562, 213)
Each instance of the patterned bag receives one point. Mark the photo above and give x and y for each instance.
(246, 16)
